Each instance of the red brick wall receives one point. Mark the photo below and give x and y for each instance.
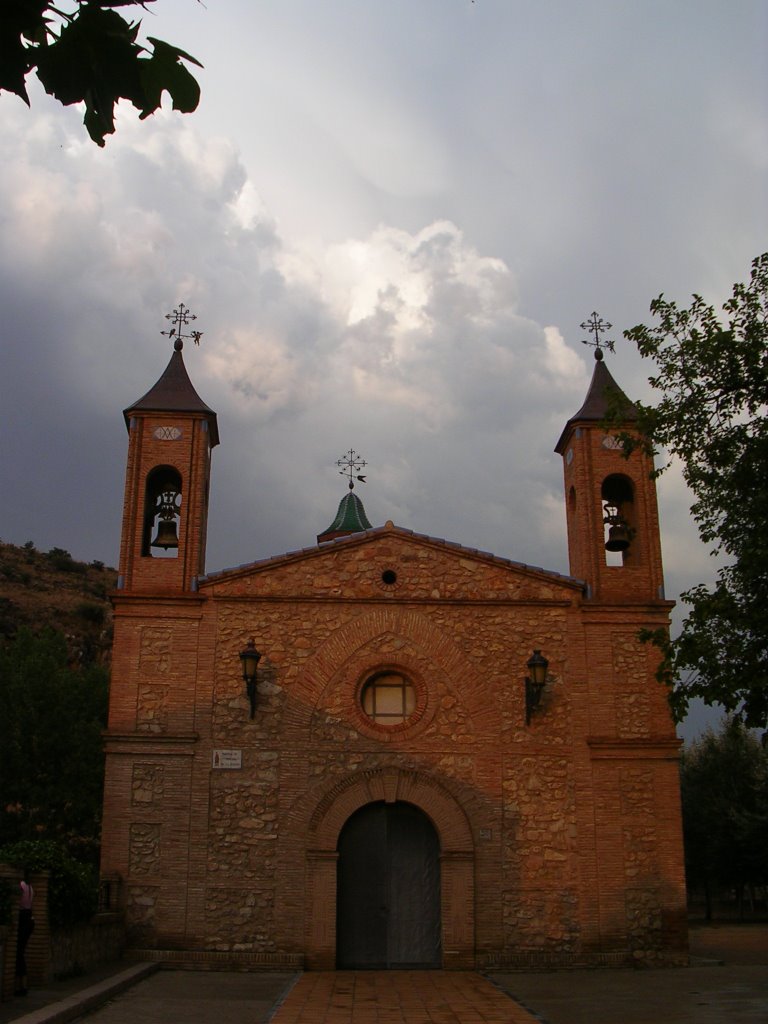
(561, 840)
(189, 455)
(586, 464)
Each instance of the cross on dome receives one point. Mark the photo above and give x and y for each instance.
(181, 318)
(351, 462)
(597, 326)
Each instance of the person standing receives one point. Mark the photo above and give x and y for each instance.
(25, 928)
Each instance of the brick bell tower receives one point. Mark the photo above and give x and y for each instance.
(613, 523)
(171, 433)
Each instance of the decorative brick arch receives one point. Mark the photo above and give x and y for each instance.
(345, 651)
(456, 856)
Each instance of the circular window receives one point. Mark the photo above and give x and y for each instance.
(389, 576)
(388, 698)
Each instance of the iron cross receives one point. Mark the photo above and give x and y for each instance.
(597, 326)
(351, 461)
(181, 318)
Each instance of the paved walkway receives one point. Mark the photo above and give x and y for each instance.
(728, 984)
(398, 997)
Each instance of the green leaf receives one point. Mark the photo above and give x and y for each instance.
(163, 72)
(94, 59)
(167, 48)
(20, 20)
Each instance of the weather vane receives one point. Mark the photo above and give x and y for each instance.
(597, 326)
(181, 318)
(351, 462)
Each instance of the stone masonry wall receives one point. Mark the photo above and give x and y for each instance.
(232, 845)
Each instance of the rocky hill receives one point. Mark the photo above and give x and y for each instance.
(51, 589)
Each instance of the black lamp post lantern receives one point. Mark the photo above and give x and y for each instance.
(250, 658)
(534, 683)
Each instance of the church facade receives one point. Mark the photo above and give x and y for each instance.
(440, 757)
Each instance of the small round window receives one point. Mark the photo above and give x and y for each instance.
(388, 699)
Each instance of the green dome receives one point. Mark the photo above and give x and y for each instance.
(350, 518)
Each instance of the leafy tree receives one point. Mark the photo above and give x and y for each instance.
(713, 414)
(724, 785)
(90, 54)
(51, 759)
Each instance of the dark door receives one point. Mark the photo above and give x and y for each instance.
(388, 910)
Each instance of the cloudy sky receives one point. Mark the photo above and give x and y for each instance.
(390, 219)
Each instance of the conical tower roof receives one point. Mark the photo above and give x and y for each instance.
(350, 518)
(603, 397)
(174, 392)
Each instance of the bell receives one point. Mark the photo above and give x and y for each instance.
(166, 535)
(618, 538)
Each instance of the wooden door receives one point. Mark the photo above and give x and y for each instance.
(388, 908)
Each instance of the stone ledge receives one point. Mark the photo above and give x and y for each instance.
(88, 999)
(542, 961)
(209, 959)
(616, 749)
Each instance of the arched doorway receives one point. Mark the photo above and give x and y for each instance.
(388, 889)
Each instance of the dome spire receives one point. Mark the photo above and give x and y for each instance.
(174, 391)
(350, 516)
(604, 396)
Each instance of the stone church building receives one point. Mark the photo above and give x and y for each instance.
(386, 749)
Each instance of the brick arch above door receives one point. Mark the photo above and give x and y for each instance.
(456, 854)
(390, 785)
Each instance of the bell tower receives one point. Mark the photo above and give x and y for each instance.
(614, 541)
(171, 433)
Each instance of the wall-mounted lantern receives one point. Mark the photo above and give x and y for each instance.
(250, 658)
(534, 683)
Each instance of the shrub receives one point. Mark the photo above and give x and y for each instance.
(63, 561)
(73, 889)
(93, 613)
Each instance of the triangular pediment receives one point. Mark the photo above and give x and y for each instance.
(392, 563)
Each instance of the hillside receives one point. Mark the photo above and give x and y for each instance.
(50, 589)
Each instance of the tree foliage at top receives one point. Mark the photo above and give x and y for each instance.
(713, 414)
(90, 54)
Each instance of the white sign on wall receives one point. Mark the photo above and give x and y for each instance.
(227, 759)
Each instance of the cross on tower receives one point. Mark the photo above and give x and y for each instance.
(181, 318)
(597, 326)
(351, 461)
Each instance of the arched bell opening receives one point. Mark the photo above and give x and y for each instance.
(618, 498)
(162, 513)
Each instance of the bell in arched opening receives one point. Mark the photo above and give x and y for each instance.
(168, 511)
(618, 531)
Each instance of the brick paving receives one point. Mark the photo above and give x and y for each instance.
(728, 983)
(398, 997)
